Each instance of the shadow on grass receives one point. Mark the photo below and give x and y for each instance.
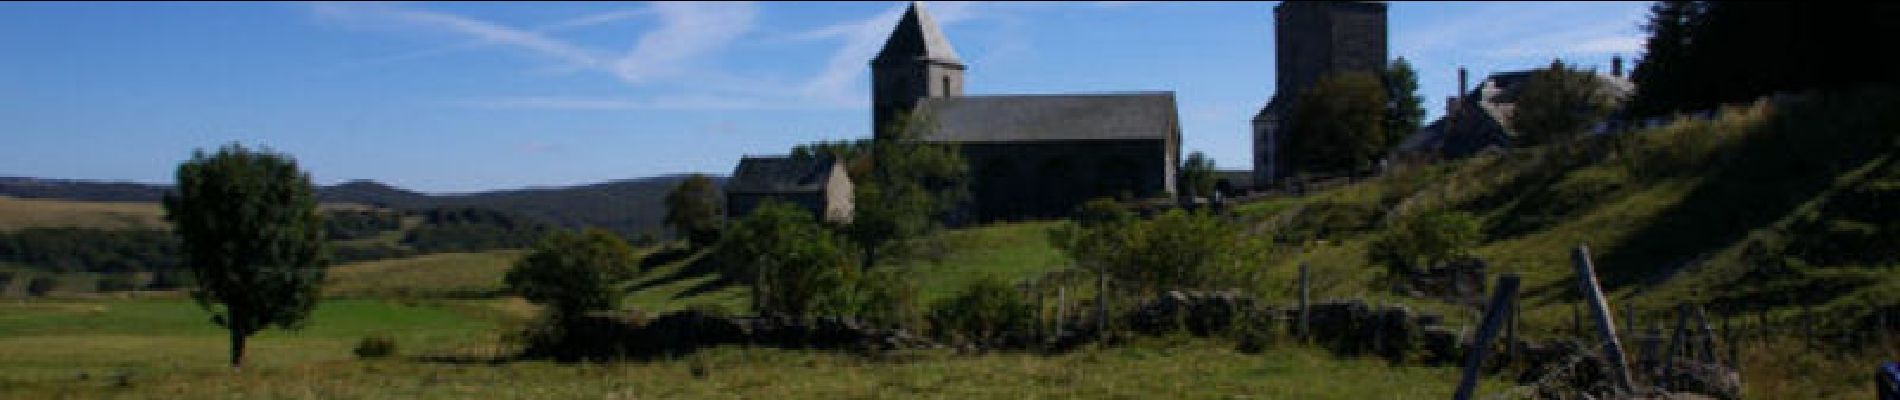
(1796, 155)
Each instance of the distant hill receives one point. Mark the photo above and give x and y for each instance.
(629, 206)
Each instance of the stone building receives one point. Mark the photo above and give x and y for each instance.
(1480, 118)
(817, 184)
(1313, 39)
(1030, 156)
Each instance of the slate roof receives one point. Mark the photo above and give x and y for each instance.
(1494, 101)
(916, 37)
(780, 175)
(1017, 118)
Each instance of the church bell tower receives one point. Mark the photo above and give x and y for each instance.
(916, 63)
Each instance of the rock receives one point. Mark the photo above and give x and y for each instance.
(1441, 345)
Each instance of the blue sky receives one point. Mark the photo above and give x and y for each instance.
(456, 97)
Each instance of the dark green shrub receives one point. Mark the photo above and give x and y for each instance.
(983, 312)
(115, 283)
(376, 346)
(1328, 220)
(41, 285)
(1419, 241)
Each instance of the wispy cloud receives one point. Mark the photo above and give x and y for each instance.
(482, 32)
(688, 32)
(1516, 30)
(681, 48)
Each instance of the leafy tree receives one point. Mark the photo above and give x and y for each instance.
(1174, 250)
(693, 210)
(909, 188)
(1338, 125)
(841, 150)
(252, 237)
(573, 273)
(1197, 175)
(1423, 240)
(1408, 109)
(1559, 102)
(793, 264)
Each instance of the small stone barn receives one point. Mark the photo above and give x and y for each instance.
(817, 184)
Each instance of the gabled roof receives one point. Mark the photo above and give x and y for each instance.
(917, 37)
(1012, 118)
(780, 175)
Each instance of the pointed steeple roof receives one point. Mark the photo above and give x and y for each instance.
(917, 37)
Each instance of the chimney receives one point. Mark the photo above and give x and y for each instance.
(1616, 65)
(1461, 82)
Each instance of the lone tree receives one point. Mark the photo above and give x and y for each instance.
(573, 273)
(1558, 103)
(794, 265)
(252, 237)
(1338, 124)
(692, 209)
(909, 187)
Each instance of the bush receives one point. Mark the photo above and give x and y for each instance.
(887, 297)
(115, 283)
(376, 346)
(41, 285)
(1175, 250)
(573, 273)
(983, 312)
(1423, 240)
(1328, 220)
(794, 265)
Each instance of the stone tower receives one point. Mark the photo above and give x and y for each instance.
(916, 63)
(1313, 39)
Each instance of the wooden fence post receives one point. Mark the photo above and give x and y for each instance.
(1707, 354)
(1304, 302)
(1062, 308)
(1678, 342)
(1576, 319)
(1493, 317)
(1606, 324)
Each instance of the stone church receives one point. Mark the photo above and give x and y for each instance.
(1312, 39)
(1030, 156)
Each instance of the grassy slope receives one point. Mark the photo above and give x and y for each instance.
(1669, 216)
(17, 213)
(458, 274)
(21, 213)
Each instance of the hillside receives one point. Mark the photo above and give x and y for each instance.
(629, 206)
(1779, 214)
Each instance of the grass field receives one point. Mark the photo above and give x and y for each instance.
(18, 213)
(432, 275)
(51, 342)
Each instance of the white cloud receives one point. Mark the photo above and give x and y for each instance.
(680, 49)
(385, 15)
(688, 32)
